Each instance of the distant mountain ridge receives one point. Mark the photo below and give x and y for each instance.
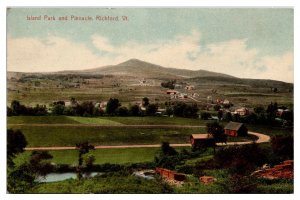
(135, 67)
(142, 69)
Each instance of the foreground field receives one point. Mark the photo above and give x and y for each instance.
(47, 131)
(113, 156)
(69, 136)
(103, 120)
(127, 183)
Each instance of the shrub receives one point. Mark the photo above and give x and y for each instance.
(205, 115)
(283, 146)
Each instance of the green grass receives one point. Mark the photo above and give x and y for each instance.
(278, 187)
(103, 120)
(113, 156)
(193, 185)
(69, 136)
(269, 130)
(111, 183)
(41, 120)
(94, 120)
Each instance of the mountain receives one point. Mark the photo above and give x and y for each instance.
(135, 67)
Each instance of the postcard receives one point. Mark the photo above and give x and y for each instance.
(150, 100)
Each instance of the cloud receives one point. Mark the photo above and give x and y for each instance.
(51, 54)
(232, 57)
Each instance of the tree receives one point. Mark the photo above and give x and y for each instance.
(58, 109)
(169, 111)
(17, 108)
(145, 102)
(134, 110)
(167, 150)
(217, 132)
(112, 106)
(283, 146)
(83, 148)
(16, 142)
(217, 107)
(151, 109)
(178, 109)
(89, 161)
(205, 115)
(87, 108)
(73, 101)
(272, 107)
(228, 116)
(122, 111)
(190, 110)
(37, 163)
(167, 156)
(259, 109)
(220, 114)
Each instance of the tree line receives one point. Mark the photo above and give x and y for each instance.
(112, 108)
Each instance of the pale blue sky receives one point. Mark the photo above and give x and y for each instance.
(263, 33)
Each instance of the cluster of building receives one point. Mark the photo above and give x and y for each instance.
(233, 129)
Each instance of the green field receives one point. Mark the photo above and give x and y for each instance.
(103, 120)
(113, 156)
(69, 136)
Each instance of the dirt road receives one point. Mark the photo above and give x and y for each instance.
(261, 139)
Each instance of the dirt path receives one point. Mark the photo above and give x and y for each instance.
(261, 139)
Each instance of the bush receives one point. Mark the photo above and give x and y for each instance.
(134, 110)
(186, 169)
(238, 184)
(283, 146)
(205, 115)
(122, 111)
(241, 159)
(151, 109)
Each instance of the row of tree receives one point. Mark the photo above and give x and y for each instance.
(17, 108)
(113, 107)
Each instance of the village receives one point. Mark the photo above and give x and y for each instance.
(178, 126)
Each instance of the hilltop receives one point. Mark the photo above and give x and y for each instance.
(135, 67)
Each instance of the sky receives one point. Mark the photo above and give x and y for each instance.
(243, 42)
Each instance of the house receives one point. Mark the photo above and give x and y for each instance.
(172, 92)
(280, 111)
(177, 86)
(235, 129)
(226, 102)
(242, 111)
(183, 96)
(205, 140)
(189, 87)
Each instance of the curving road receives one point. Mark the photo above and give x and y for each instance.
(262, 138)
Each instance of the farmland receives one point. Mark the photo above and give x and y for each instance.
(113, 156)
(112, 129)
(69, 136)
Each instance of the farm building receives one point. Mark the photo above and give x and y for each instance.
(171, 175)
(242, 111)
(177, 86)
(235, 129)
(202, 140)
(172, 92)
(279, 112)
(190, 87)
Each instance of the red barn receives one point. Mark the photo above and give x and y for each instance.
(235, 129)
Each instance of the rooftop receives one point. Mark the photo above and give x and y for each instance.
(201, 136)
(233, 126)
